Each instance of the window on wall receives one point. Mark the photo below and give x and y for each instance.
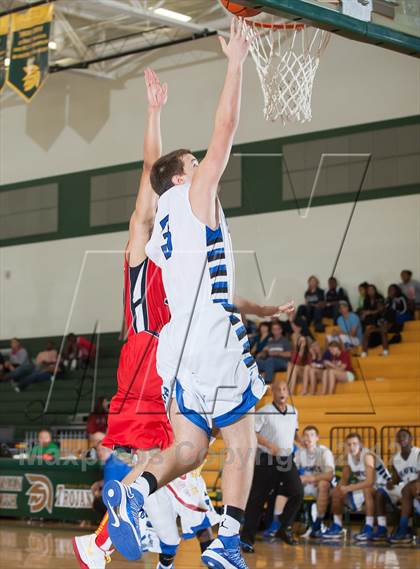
(29, 211)
(395, 162)
(231, 184)
(113, 196)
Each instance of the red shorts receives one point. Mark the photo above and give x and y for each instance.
(137, 415)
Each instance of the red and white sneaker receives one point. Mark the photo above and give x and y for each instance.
(88, 554)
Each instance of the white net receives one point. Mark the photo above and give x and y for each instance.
(287, 59)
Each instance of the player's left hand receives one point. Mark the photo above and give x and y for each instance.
(157, 94)
(287, 308)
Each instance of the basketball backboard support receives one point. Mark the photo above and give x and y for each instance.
(392, 24)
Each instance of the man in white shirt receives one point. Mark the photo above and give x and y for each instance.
(316, 467)
(275, 471)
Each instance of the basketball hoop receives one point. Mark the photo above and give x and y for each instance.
(287, 57)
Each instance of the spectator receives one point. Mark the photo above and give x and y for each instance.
(333, 296)
(77, 352)
(2, 362)
(299, 327)
(403, 487)
(316, 467)
(362, 295)
(314, 305)
(262, 338)
(338, 367)
(301, 357)
(97, 420)
(313, 371)
(276, 355)
(397, 301)
(411, 289)
(45, 366)
(383, 321)
(349, 331)
(370, 305)
(19, 364)
(45, 449)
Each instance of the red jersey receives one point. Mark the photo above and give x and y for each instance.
(145, 305)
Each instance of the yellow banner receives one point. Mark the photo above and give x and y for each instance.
(4, 25)
(32, 17)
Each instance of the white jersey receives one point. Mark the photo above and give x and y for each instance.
(205, 345)
(409, 469)
(358, 467)
(278, 427)
(316, 462)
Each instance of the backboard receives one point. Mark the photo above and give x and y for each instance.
(393, 24)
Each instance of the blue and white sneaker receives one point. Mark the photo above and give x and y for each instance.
(380, 534)
(273, 528)
(335, 532)
(224, 553)
(124, 507)
(402, 535)
(365, 535)
(316, 533)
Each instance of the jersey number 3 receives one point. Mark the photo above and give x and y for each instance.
(166, 234)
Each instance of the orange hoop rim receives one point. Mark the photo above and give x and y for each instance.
(270, 26)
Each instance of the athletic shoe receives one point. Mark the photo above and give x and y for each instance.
(286, 535)
(380, 534)
(272, 530)
(160, 566)
(316, 533)
(365, 535)
(402, 535)
(333, 533)
(384, 353)
(124, 507)
(224, 553)
(247, 547)
(88, 554)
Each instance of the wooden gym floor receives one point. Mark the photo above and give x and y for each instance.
(43, 547)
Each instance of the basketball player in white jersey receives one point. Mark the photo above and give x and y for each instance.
(404, 488)
(370, 472)
(203, 354)
(316, 467)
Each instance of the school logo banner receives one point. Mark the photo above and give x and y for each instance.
(40, 493)
(4, 32)
(29, 50)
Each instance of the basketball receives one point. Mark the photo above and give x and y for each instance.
(239, 10)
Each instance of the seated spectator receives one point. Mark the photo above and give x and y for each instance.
(276, 355)
(349, 331)
(44, 369)
(301, 357)
(402, 489)
(338, 367)
(370, 305)
(316, 467)
(314, 305)
(313, 370)
(397, 301)
(299, 327)
(362, 295)
(383, 321)
(411, 289)
(77, 352)
(333, 296)
(45, 449)
(98, 419)
(19, 364)
(2, 362)
(261, 340)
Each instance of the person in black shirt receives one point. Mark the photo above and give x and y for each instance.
(382, 321)
(314, 305)
(398, 302)
(370, 306)
(333, 296)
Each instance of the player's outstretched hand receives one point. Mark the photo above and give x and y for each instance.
(157, 94)
(240, 40)
(287, 308)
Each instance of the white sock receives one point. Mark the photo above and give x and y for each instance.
(142, 485)
(338, 519)
(370, 521)
(382, 521)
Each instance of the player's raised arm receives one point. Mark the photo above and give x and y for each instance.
(142, 219)
(206, 179)
(246, 306)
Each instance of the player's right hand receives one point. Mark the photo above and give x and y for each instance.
(157, 94)
(240, 40)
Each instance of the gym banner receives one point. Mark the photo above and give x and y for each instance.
(4, 32)
(29, 52)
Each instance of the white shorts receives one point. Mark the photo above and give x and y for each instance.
(310, 490)
(355, 500)
(213, 387)
(185, 498)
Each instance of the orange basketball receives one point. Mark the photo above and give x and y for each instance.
(239, 10)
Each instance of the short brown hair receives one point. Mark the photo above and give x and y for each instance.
(311, 428)
(354, 435)
(165, 168)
